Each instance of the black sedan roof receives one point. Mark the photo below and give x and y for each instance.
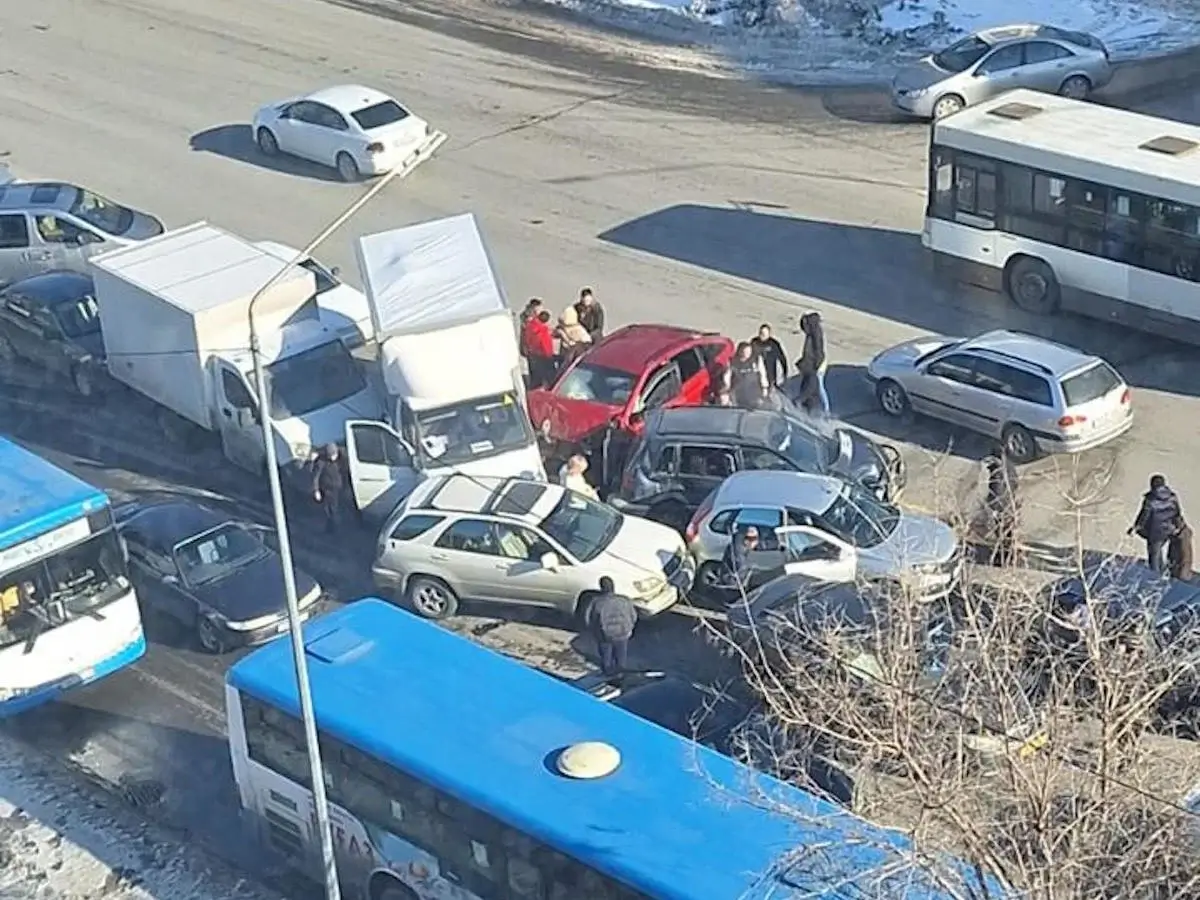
(164, 524)
(53, 288)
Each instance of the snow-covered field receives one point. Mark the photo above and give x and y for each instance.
(61, 841)
(850, 39)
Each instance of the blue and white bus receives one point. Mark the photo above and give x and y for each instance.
(456, 773)
(68, 613)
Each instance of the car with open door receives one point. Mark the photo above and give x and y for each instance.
(635, 369)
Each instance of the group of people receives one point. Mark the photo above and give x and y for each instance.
(548, 348)
(759, 369)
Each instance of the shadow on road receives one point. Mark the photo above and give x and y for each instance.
(886, 273)
(237, 143)
(866, 108)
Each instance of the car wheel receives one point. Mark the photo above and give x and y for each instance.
(1032, 286)
(708, 577)
(948, 106)
(1019, 444)
(892, 398)
(84, 380)
(431, 597)
(267, 142)
(347, 168)
(209, 635)
(1077, 87)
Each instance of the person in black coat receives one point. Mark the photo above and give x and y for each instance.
(612, 618)
(770, 351)
(813, 363)
(1158, 520)
(329, 485)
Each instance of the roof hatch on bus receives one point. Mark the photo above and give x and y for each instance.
(1169, 146)
(589, 760)
(1016, 111)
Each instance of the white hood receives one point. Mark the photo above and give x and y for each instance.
(453, 364)
(323, 426)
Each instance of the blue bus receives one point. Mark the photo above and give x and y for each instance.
(457, 773)
(68, 612)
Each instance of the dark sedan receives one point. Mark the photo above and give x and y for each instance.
(52, 321)
(222, 578)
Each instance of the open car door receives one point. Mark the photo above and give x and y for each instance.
(811, 552)
(382, 467)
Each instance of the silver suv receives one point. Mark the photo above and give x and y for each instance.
(1033, 395)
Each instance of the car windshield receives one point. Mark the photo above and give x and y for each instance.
(60, 588)
(475, 429)
(80, 318)
(1090, 384)
(596, 384)
(217, 553)
(961, 56)
(861, 519)
(582, 526)
(315, 379)
(806, 447)
(386, 113)
(101, 213)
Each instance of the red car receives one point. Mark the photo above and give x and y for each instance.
(635, 369)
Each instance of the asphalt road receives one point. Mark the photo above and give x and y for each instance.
(679, 198)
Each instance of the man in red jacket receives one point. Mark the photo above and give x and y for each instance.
(537, 345)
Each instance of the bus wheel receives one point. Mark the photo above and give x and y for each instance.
(1077, 87)
(431, 597)
(1032, 286)
(1019, 444)
(384, 887)
(948, 106)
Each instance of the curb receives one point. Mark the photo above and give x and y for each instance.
(1142, 80)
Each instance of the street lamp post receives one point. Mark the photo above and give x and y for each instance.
(316, 770)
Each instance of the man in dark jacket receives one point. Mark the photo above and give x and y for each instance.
(1158, 520)
(745, 380)
(736, 567)
(770, 351)
(612, 620)
(813, 363)
(591, 314)
(329, 485)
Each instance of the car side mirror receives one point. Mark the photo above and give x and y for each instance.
(550, 562)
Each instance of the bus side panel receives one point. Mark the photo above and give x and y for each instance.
(1075, 271)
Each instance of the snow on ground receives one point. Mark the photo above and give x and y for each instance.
(63, 841)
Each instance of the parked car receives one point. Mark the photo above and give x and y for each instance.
(1033, 395)
(52, 321)
(628, 373)
(50, 225)
(996, 60)
(515, 540)
(683, 454)
(825, 528)
(343, 309)
(353, 129)
(220, 576)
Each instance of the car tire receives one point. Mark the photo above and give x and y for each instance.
(430, 598)
(347, 168)
(208, 635)
(1020, 446)
(1077, 87)
(267, 142)
(84, 379)
(948, 105)
(893, 399)
(1032, 286)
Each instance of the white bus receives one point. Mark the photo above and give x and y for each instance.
(1067, 205)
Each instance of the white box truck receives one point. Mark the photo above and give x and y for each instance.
(449, 363)
(175, 315)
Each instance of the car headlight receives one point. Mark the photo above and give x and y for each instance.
(916, 92)
(650, 585)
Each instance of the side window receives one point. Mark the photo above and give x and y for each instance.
(14, 231)
(765, 520)
(1003, 60)
(1001, 379)
(1122, 227)
(156, 562)
(328, 118)
(470, 536)
(690, 364)
(662, 387)
(1049, 195)
(706, 462)
(412, 527)
(722, 522)
(975, 187)
(1044, 52)
(941, 183)
(667, 461)
(799, 517)
(956, 367)
(1173, 239)
(515, 542)
(765, 460)
(235, 391)
(1033, 204)
(375, 446)
(57, 230)
(1086, 207)
(303, 112)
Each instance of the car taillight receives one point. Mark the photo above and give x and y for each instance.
(692, 529)
(375, 147)
(1126, 397)
(1069, 421)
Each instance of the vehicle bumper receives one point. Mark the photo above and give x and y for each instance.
(387, 582)
(233, 638)
(408, 157)
(127, 655)
(649, 608)
(1059, 444)
(921, 105)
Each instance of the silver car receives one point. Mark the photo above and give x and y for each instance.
(511, 540)
(824, 528)
(991, 62)
(1033, 395)
(50, 225)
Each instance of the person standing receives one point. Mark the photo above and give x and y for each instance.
(770, 351)
(736, 567)
(591, 314)
(612, 619)
(813, 363)
(573, 338)
(572, 476)
(329, 485)
(1179, 552)
(746, 378)
(532, 308)
(537, 346)
(1158, 520)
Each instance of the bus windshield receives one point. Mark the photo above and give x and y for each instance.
(70, 584)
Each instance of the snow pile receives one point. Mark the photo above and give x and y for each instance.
(61, 842)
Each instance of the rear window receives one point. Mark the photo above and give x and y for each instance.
(386, 113)
(1090, 384)
(411, 527)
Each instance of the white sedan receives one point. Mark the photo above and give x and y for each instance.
(357, 130)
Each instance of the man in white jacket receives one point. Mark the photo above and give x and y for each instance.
(571, 476)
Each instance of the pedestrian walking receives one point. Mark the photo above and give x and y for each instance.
(537, 346)
(770, 351)
(612, 619)
(329, 485)
(746, 378)
(573, 338)
(572, 476)
(1002, 508)
(813, 363)
(1179, 552)
(591, 314)
(1158, 520)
